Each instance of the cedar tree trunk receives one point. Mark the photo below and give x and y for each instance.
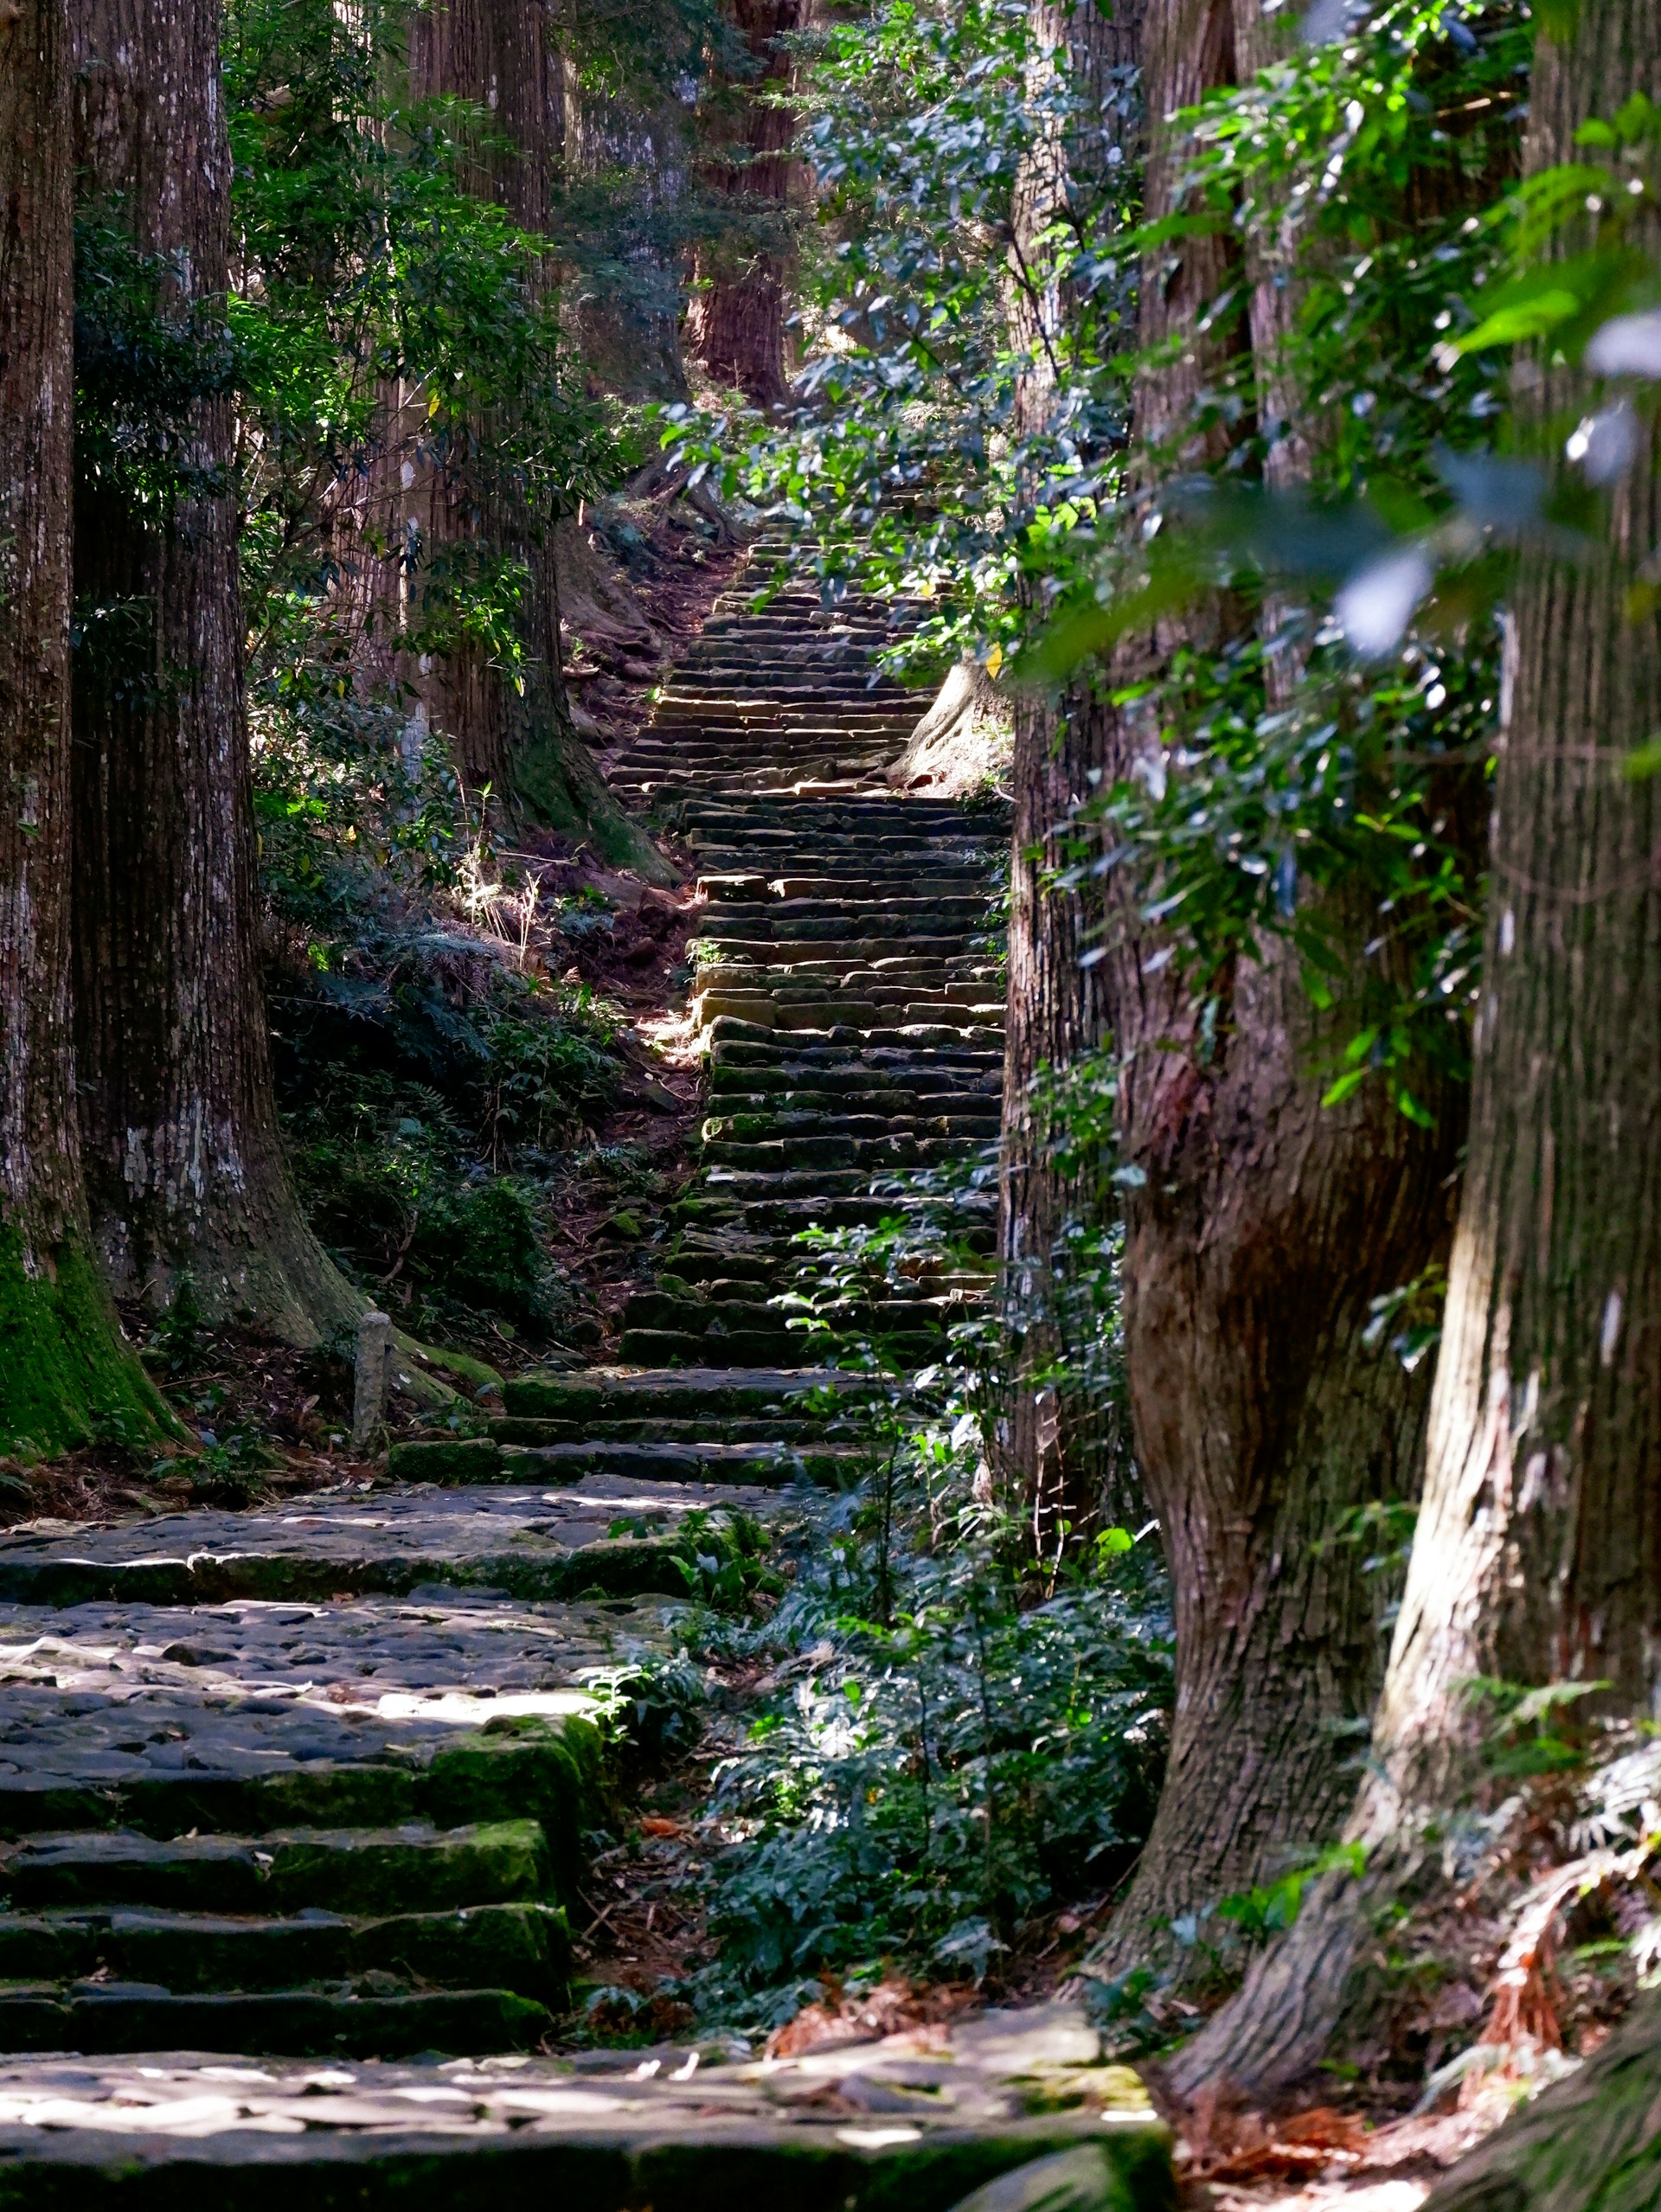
(184, 1166)
(64, 1378)
(1058, 1449)
(501, 55)
(1590, 2143)
(1264, 1228)
(735, 325)
(1537, 1556)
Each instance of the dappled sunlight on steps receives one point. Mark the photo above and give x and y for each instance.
(314, 1781)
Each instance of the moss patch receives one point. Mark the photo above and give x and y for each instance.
(66, 1379)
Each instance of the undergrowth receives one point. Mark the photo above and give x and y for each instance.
(935, 1758)
(433, 1074)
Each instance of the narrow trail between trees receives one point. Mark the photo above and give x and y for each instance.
(314, 1782)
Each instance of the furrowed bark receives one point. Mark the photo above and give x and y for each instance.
(518, 741)
(1537, 1556)
(1266, 1227)
(183, 1165)
(735, 325)
(1590, 2143)
(65, 1378)
(1060, 1452)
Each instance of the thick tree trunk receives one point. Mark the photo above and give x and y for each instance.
(1590, 2143)
(1264, 1227)
(1059, 1447)
(183, 1165)
(735, 325)
(64, 1377)
(520, 742)
(1538, 1551)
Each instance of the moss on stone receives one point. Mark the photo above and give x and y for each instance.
(457, 1459)
(557, 1773)
(66, 1379)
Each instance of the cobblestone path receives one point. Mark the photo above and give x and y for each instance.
(290, 1796)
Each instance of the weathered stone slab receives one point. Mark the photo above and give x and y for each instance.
(766, 1462)
(254, 1716)
(525, 1543)
(353, 1870)
(602, 1394)
(522, 1946)
(911, 2125)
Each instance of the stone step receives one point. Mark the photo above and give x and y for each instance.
(727, 1271)
(779, 1430)
(800, 1114)
(793, 1155)
(891, 869)
(740, 889)
(664, 1348)
(529, 1543)
(970, 1212)
(739, 1089)
(690, 1394)
(697, 1316)
(125, 2016)
(522, 1946)
(315, 1778)
(859, 2130)
(519, 1458)
(353, 1870)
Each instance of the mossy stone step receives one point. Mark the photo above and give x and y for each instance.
(766, 1461)
(744, 1112)
(779, 1429)
(120, 2016)
(974, 1035)
(308, 1779)
(530, 1544)
(899, 1149)
(689, 1394)
(522, 1946)
(873, 2129)
(764, 1233)
(664, 1348)
(797, 1059)
(356, 1871)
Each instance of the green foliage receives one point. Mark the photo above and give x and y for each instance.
(1379, 168)
(1266, 1910)
(393, 1194)
(909, 455)
(144, 363)
(235, 1458)
(940, 1759)
(1524, 1728)
(722, 1557)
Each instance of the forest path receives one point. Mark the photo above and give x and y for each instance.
(312, 1781)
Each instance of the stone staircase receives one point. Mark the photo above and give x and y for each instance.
(850, 992)
(314, 1782)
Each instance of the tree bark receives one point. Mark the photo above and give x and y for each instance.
(1537, 1556)
(735, 325)
(65, 1378)
(1590, 2143)
(1061, 1451)
(183, 1163)
(1264, 1228)
(519, 742)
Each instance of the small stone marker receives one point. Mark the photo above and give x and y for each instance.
(369, 1391)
